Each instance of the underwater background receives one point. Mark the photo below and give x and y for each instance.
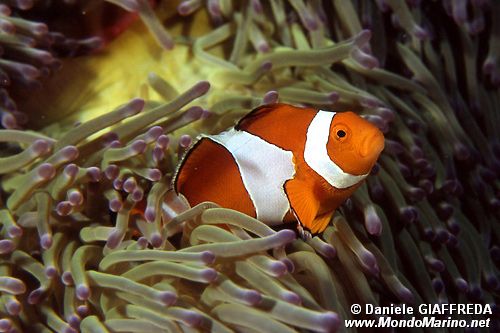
(99, 100)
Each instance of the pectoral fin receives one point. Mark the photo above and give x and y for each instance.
(302, 201)
(320, 223)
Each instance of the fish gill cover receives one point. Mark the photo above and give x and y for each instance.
(92, 241)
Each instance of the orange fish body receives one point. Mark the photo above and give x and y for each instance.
(282, 163)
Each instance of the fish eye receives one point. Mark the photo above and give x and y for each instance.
(340, 133)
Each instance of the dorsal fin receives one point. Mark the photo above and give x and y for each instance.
(256, 114)
(274, 123)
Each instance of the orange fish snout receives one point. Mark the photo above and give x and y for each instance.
(358, 149)
(371, 146)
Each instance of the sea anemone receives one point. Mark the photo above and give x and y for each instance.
(93, 240)
(29, 52)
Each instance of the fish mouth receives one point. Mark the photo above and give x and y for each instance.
(372, 146)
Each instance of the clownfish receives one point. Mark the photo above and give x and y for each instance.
(282, 163)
